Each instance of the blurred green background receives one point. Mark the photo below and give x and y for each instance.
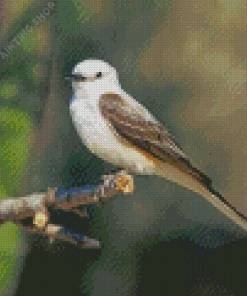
(184, 60)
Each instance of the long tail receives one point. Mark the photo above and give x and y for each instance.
(220, 203)
(212, 196)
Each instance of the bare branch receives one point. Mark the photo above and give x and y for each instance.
(36, 205)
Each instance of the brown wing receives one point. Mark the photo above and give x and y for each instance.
(150, 136)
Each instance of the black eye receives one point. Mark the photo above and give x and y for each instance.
(99, 74)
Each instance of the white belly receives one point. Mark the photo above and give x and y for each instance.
(97, 135)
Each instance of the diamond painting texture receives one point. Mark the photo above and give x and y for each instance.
(185, 62)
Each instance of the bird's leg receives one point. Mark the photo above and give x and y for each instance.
(122, 178)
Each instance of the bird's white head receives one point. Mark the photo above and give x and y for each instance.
(92, 73)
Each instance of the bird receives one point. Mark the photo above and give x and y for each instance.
(121, 131)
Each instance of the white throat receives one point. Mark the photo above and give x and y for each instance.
(92, 128)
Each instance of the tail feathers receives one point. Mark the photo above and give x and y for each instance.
(220, 203)
(212, 196)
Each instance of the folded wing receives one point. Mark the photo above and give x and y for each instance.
(131, 123)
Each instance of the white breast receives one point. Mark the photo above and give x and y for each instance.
(97, 134)
(91, 126)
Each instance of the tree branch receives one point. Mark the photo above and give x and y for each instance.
(36, 205)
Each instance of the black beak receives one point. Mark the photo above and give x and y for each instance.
(75, 77)
(69, 77)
